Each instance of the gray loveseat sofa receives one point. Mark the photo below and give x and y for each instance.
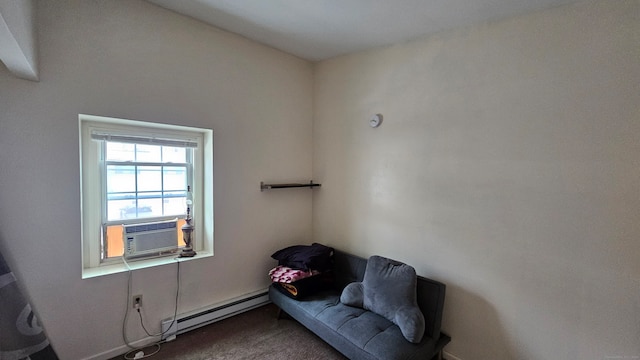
(361, 334)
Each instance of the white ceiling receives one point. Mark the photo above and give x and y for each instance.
(321, 29)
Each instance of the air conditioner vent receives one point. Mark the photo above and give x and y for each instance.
(150, 239)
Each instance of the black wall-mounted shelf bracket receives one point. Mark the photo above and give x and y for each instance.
(264, 186)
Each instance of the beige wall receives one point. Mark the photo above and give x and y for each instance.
(507, 166)
(133, 60)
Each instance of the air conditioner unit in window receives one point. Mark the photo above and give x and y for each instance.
(150, 239)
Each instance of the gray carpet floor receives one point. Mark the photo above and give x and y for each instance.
(256, 334)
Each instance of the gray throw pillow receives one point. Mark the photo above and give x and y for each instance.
(389, 290)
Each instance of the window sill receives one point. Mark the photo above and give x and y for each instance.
(138, 264)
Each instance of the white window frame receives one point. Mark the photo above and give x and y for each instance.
(93, 190)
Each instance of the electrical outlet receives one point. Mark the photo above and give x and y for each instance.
(136, 302)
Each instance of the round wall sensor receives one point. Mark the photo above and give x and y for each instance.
(375, 120)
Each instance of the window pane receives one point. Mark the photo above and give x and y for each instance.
(175, 178)
(174, 155)
(119, 209)
(174, 206)
(149, 206)
(120, 152)
(148, 153)
(120, 178)
(149, 178)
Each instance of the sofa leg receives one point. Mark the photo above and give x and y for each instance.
(283, 315)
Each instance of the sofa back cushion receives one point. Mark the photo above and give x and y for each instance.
(431, 303)
(347, 268)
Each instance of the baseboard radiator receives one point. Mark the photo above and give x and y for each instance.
(195, 319)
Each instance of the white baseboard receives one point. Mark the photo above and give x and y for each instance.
(449, 356)
(230, 307)
(216, 312)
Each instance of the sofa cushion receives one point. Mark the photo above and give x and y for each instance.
(389, 290)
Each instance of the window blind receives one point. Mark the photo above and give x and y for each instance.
(183, 143)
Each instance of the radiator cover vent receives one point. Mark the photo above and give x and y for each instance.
(193, 320)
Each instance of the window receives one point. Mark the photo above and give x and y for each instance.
(136, 172)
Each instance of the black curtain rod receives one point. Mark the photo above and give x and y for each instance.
(264, 186)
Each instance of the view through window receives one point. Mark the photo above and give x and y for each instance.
(143, 183)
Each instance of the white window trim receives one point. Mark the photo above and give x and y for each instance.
(91, 189)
